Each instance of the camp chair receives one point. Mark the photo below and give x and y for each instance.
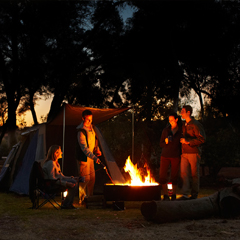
(46, 189)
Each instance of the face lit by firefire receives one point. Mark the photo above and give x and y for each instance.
(58, 154)
(173, 121)
(87, 121)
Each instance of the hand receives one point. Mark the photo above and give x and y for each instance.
(98, 153)
(98, 161)
(166, 140)
(70, 185)
(183, 141)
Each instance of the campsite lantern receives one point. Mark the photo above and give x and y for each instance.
(64, 194)
(170, 189)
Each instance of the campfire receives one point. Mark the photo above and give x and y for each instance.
(138, 176)
(141, 187)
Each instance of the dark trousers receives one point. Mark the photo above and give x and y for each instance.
(164, 166)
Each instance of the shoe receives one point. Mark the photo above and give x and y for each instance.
(173, 197)
(166, 198)
(183, 198)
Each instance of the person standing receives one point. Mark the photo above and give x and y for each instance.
(171, 154)
(193, 137)
(90, 152)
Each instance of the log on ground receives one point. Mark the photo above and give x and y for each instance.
(169, 211)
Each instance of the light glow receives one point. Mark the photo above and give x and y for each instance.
(65, 194)
(137, 179)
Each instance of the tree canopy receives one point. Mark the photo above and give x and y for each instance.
(84, 53)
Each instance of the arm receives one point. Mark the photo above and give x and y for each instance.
(196, 136)
(53, 172)
(84, 146)
(199, 136)
(163, 138)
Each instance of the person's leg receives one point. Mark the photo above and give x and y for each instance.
(194, 160)
(82, 185)
(175, 165)
(163, 175)
(184, 172)
(68, 201)
(91, 182)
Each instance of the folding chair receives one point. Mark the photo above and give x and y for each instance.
(46, 189)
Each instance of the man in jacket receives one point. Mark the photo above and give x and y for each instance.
(193, 138)
(90, 153)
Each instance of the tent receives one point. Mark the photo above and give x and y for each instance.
(61, 130)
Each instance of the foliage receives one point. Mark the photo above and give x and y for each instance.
(84, 53)
(222, 146)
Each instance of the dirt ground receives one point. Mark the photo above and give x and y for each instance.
(17, 221)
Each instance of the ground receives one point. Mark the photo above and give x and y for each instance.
(18, 221)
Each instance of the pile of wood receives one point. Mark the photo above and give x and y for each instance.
(224, 203)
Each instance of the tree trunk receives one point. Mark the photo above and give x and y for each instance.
(225, 203)
(34, 115)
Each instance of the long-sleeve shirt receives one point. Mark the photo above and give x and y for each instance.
(52, 171)
(194, 133)
(173, 148)
(87, 143)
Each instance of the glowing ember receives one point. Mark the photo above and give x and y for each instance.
(137, 179)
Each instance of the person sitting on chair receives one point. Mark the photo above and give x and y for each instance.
(52, 171)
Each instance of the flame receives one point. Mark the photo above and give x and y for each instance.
(137, 179)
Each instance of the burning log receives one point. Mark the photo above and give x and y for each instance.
(225, 203)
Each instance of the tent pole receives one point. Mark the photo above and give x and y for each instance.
(133, 134)
(63, 145)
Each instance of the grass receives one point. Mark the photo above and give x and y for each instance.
(19, 221)
(16, 205)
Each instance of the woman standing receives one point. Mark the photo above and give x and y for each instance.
(52, 170)
(171, 154)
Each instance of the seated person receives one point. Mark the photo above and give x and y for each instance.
(52, 171)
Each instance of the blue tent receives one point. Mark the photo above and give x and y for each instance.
(61, 131)
(21, 182)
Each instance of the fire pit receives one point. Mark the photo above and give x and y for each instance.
(140, 188)
(131, 193)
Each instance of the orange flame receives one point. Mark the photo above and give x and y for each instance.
(137, 179)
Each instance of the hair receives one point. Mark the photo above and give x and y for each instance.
(188, 108)
(86, 113)
(175, 115)
(51, 152)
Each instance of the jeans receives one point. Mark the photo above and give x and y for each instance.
(71, 194)
(189, 169)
